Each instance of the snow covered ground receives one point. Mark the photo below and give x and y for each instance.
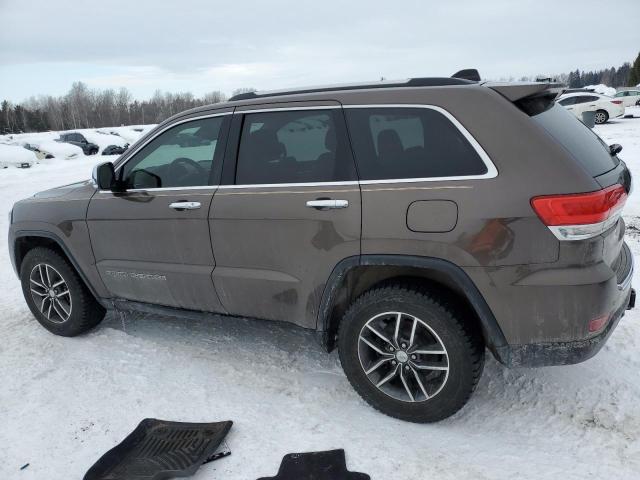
(65, 401)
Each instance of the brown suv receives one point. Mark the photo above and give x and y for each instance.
(411, 224)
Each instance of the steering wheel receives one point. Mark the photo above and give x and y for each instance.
(179, 173)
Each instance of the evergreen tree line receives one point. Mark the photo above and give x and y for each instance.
(627, 75)
(83, 107)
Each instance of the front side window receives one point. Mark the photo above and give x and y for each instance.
(297, 146)
(399, 143)
(182, 156)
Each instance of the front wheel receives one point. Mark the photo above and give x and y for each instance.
(56, 295)
(409, 355)
(601, 117)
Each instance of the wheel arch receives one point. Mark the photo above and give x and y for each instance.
(355, 275)
(26, 240)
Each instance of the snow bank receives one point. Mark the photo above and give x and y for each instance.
(602, 89)
(15, 156)
(102, 137)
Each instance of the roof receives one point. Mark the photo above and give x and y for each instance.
(581, 94)
(411, 82)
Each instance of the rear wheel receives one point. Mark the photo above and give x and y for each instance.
(602, 117)
(409, 355)
(56, 295)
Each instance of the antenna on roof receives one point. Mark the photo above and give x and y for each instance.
(467, 74)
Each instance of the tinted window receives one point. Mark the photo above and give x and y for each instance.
(568, 101)
(394, 143)
(587, 98)
(293, 147)
(585, 146)
(182, 156)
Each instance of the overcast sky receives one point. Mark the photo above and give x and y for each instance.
(205, 45)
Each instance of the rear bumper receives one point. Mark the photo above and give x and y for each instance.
(563, 353)
(567, 314)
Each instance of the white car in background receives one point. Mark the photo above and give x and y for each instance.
(605, 107)
(16, 156)
(630, 98)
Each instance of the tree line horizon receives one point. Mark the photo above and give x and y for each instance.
(83, 107)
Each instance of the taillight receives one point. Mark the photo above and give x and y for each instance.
(580, 215)
(617, 102)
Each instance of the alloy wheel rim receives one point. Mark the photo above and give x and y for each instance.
(50, 293)
(403, 357)
(600, 118)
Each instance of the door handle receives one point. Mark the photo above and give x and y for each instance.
(185, 205)
(327, 204)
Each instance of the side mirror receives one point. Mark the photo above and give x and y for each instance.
(615, 149)
(104, 176)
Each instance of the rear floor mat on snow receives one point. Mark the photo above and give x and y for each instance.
(329, 465)
(158, 450)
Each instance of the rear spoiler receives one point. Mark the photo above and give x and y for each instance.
(530, 97)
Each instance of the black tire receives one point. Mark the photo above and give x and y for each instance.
(463, 345)
(602, 116)
(84, 312)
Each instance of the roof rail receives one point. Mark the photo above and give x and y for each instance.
(411, 82)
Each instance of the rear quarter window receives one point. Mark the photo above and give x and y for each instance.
(583, 144)
(410, 143)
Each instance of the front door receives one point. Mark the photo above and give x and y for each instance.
(290, 213)
(151, 242)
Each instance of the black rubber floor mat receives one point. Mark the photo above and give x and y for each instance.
(158, 450)
(329, 465)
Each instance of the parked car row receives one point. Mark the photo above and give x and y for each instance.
(604, 107)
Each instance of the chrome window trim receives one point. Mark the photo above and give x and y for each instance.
(164, 189)
(286, 109)
(276, 185)
(492, 171)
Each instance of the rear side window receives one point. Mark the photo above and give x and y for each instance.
(296, 146)
(568, 101)
(399, 143)
(584, 145)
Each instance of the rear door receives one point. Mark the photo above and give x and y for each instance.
(151, 242)
(290, 210)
